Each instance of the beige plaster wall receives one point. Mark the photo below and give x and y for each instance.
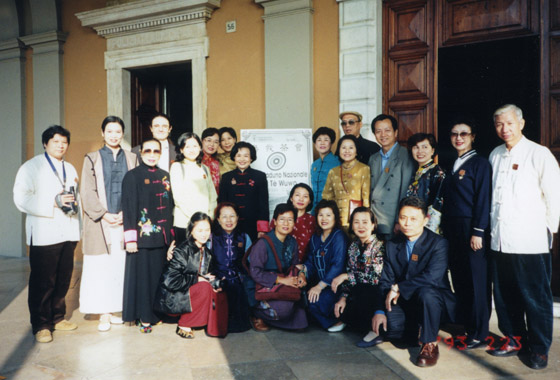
(236, 66)
(85, 81)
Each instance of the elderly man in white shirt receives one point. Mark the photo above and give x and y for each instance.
(524, 215)
(45, 189)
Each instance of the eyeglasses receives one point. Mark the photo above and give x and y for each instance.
(285, 220)
(349, 122)
(149, 151)
(454, 135)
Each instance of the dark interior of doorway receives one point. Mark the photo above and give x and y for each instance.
(475, 79)
(163, 88)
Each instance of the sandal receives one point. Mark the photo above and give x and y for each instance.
(184, 334)
(144, 329)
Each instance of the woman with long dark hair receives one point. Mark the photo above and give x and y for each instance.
(191, 181)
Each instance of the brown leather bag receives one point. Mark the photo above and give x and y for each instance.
(277, 291)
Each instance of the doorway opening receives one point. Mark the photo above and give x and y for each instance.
(475, 79)
(166, 89)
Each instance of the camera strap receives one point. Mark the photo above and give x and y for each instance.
(62, 182)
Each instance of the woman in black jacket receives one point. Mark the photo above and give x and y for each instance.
(188, 288)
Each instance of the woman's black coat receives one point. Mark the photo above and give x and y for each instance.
(181, 272)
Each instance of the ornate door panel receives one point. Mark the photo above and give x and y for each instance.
(409, 87)
(465, 21)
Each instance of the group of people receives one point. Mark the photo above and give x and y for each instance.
(368, 244)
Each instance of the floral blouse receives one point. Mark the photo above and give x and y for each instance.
(427, 183)
(365, 263)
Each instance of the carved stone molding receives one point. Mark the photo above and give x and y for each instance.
(147, 15)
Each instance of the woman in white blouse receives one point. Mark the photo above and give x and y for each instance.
(191, 184)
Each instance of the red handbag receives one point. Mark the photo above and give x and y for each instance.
(278, 291)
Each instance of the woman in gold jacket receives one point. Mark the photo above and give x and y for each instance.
(349, 183)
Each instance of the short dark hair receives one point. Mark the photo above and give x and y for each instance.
(419, 137)
(464, 119)
(160, 114)
(209, 132)
(54, 130)
(324, 131)
(358, 210)
(197, 217)
(229, 130)
(341, 140)
(183, 141)
(241, 145)
(309, 190)
(218, 210)
(112, 119)
(416, 202)
(149, 140)
(324, 203)
(382, 117)
(282, 208)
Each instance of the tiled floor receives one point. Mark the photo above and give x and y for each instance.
(124, 353)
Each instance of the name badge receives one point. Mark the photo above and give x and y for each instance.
(515, 167)
(414, 257)
(386, 169)
(240, 244)
(147, 181)
(461, 173)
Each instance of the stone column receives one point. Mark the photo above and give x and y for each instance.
(288, 53)
(48, 85)
(12, 143)
(361, 64)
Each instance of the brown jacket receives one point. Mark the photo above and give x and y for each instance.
(96, 238)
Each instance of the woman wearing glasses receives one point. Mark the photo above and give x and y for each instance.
(147, 220)
(466, 211)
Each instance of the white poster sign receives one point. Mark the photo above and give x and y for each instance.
(285, 155)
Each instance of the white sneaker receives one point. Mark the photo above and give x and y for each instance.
(337, 327)
(116, 320)
(104, 323)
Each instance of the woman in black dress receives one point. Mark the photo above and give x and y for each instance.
(147, 205)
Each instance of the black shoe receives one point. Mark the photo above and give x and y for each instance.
(504, 351)
(468, 344)
(538, 361)
(374, 342)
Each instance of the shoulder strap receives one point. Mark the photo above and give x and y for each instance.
(269, 241)
(245, 260)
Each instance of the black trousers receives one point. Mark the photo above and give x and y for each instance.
(469, 272)
(523, 298)
(364, 300)
(49, 280)
(424, 310)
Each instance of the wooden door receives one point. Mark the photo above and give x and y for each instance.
(409, 85)
(146, 94)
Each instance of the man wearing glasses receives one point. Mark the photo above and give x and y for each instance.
(161, 128)
(351, 123)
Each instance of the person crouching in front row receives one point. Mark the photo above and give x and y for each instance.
(187, 287)
(415, 283)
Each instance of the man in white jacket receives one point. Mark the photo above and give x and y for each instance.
(45, 189)
(524, 215)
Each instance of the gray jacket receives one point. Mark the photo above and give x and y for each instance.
(388, 186)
